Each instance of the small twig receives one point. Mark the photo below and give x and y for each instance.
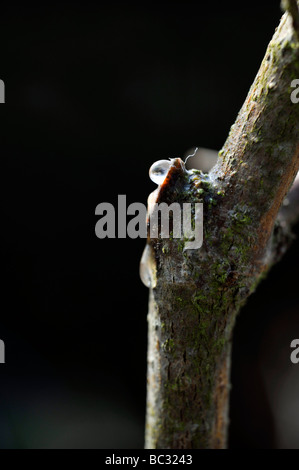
(292, 7)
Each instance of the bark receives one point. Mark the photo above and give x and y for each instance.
(195, 295)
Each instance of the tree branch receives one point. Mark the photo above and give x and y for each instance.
(196, 294)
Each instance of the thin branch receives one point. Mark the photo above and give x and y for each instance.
(259, 160)
(292, 7)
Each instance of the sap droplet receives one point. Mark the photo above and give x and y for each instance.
(147, 269)
(159, 170)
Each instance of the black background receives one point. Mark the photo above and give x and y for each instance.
(94, 95)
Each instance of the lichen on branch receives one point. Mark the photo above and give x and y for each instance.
(198, 293)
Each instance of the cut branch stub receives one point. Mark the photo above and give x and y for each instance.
(191, 317)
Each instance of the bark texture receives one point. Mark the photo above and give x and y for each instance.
(195, 295)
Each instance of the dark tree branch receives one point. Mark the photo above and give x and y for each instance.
(196, 294)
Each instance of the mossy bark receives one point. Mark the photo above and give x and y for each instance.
(188, 369)
(196, 294)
